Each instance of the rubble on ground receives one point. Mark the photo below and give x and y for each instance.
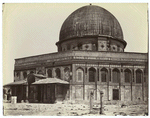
(73, 109)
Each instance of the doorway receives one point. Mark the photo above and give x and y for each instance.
(115, 94)
(60, 92)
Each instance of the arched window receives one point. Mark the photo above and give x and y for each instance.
(127, 74)
(94, 47)
(18, 74)
(104, 73)
(24, 74)
(92, 74)
(79, 74)
(58, 74)
(138, 76)
(79, 46)
(49, 72)
(116, 76)
(66, 74)
(72, 47)
(144, 75)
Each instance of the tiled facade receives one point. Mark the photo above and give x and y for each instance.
(79, 62)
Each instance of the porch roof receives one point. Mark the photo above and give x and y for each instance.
(39, 75)
(20, 82)
(51, 81)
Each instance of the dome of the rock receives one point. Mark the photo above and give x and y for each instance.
(91, 20)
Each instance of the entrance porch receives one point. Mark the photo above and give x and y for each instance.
(49, 90)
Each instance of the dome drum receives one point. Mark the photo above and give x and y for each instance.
(91, 43)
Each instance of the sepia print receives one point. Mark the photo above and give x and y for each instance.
(95, 70)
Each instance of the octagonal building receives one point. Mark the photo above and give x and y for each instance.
(90, 58)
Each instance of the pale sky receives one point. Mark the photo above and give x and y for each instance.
(33, 29)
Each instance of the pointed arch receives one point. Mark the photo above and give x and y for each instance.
(145, 74)
(66, 69)
(138, 76)
(79, 74)
(104, 74)
(18, 74)
(79, 46)
(66, 74)
(92, 74)
(25, 74)
(127, 75)
(116, 75)
(49, 72)
(58, 73)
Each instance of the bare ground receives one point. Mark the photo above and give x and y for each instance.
(71, 109)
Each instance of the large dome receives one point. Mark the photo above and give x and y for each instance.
(91, 20)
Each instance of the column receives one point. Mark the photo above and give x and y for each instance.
(85, 81)
(108, 78)
(61, 73)
(131, 81)
(27, 92)
(142, 85)
(21, 75)
(110, 87)
(96, 84)
(55, 91)
(121, 85)
(53, 73)
(121, 73)
(72, 79)
(84, 84)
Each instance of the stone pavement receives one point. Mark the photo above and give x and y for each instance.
(71, 109)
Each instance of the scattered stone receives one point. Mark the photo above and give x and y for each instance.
(123, 114)
(123, 106)
(72, 110)
(12, 108)
(22, 101)
(26, 101)
(26, 109)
